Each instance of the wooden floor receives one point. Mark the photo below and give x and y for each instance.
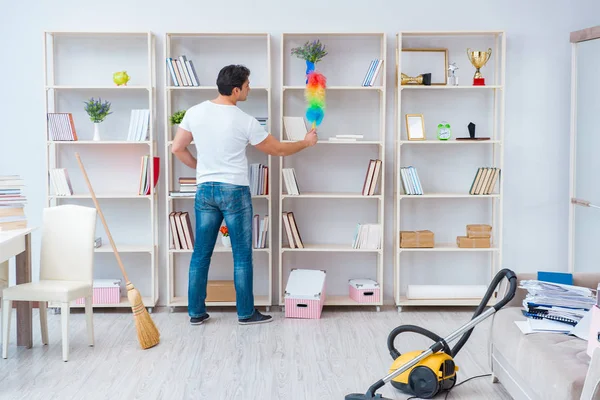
(325, 359)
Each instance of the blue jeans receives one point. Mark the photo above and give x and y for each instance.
(214, 202)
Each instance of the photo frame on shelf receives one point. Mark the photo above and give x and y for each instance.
(415, 127)
(420, 61)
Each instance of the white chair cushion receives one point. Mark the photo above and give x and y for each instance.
(59, 291)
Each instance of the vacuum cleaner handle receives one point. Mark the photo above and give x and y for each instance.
(415, 329)
(512, 289)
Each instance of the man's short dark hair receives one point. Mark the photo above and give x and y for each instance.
(230, 77)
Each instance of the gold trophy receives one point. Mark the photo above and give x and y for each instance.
(478, 59)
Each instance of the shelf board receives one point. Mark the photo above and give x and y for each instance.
(337, 88)
(220, 249)
(448, 87)
(79, 142)
(323, 195)
(99, 87)
(209, 88)
(102, 196)
(124, 248)
(330, 248)
(447, 196)
(447, 247)
(262, 301)
(123, 304)
(404, 301)
(451, 33)
(262, 196)
(446, 142)
(371, 142)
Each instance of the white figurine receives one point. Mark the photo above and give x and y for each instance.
(452, 78)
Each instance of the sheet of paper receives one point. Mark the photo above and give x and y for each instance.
(582, 329)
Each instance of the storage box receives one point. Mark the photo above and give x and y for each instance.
(466, 242)
(364, 290)
(106, 291)
(220, 291)
(423, 238)
(479, 231)
(305, 294)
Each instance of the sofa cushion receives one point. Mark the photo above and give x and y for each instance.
(553, 364)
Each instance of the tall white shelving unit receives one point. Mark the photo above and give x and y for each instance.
(209, 52)
(330, 174)
(77, 67)
(447, 168)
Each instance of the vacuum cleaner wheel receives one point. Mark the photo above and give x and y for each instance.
(423, 382)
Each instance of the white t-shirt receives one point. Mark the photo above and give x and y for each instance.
(221, 134)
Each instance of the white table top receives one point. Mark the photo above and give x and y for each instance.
(5, 236)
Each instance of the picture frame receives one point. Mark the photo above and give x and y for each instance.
(415, 127)
(418, 61)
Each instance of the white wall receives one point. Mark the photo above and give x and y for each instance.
(537, 91)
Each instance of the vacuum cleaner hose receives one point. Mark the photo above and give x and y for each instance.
(415, 329)
(512, 279)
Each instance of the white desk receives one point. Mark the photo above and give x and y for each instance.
(17, 243)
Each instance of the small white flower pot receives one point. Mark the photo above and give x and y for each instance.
(96, 132)
(226, 240)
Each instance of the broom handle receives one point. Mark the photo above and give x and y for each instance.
(112, 242)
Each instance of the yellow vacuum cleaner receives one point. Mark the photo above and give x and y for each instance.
(427, 373)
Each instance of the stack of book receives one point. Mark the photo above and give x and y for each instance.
(371, 178)
(61, 127)
(411, 184)
(485, 180)
(146, 180)
(372, 72)
(187, 187)
(260, 228)
(12, 203)
(182, 71)
(182, 232)
(554, 307)
(262, 120)
(291, 183)
(367, 236)
(138, 125)
(291, 230)
(259, 182)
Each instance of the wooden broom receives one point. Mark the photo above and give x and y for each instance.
(148, 334)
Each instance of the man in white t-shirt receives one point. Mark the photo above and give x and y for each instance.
(221, 132)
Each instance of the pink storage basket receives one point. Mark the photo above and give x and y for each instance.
(305, 294)
(364, 290)
(106, 291)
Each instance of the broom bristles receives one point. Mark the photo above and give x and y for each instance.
(148, 334)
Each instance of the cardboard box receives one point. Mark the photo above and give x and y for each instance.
(364, 290)
(479, 231)
(411, 239)
(220, 291)
(467, 242)
(305, 294)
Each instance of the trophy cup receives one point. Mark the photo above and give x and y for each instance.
(478, 59)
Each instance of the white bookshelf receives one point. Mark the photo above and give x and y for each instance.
(77, 67)
(331, 174)
(447, 168)
(210, 52)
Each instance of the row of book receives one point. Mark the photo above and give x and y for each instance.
(372, 177)
(139, 123)
(367, 236)
(12, 203)
(372, 72)
(60, 182)
(182, 232)
(291, 183)
(484, 181)
(259, 179)
(260, 228)
(291, 230)
(146, 179)
(410, 181)
(183, 72)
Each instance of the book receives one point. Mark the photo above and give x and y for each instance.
(145, 177)
(484, 181)
(12, 203)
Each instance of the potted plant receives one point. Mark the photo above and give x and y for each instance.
(225, 239)
(97, 111)
(312, 53)
(177, 117)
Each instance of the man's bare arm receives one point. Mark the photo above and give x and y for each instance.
(183, 139)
